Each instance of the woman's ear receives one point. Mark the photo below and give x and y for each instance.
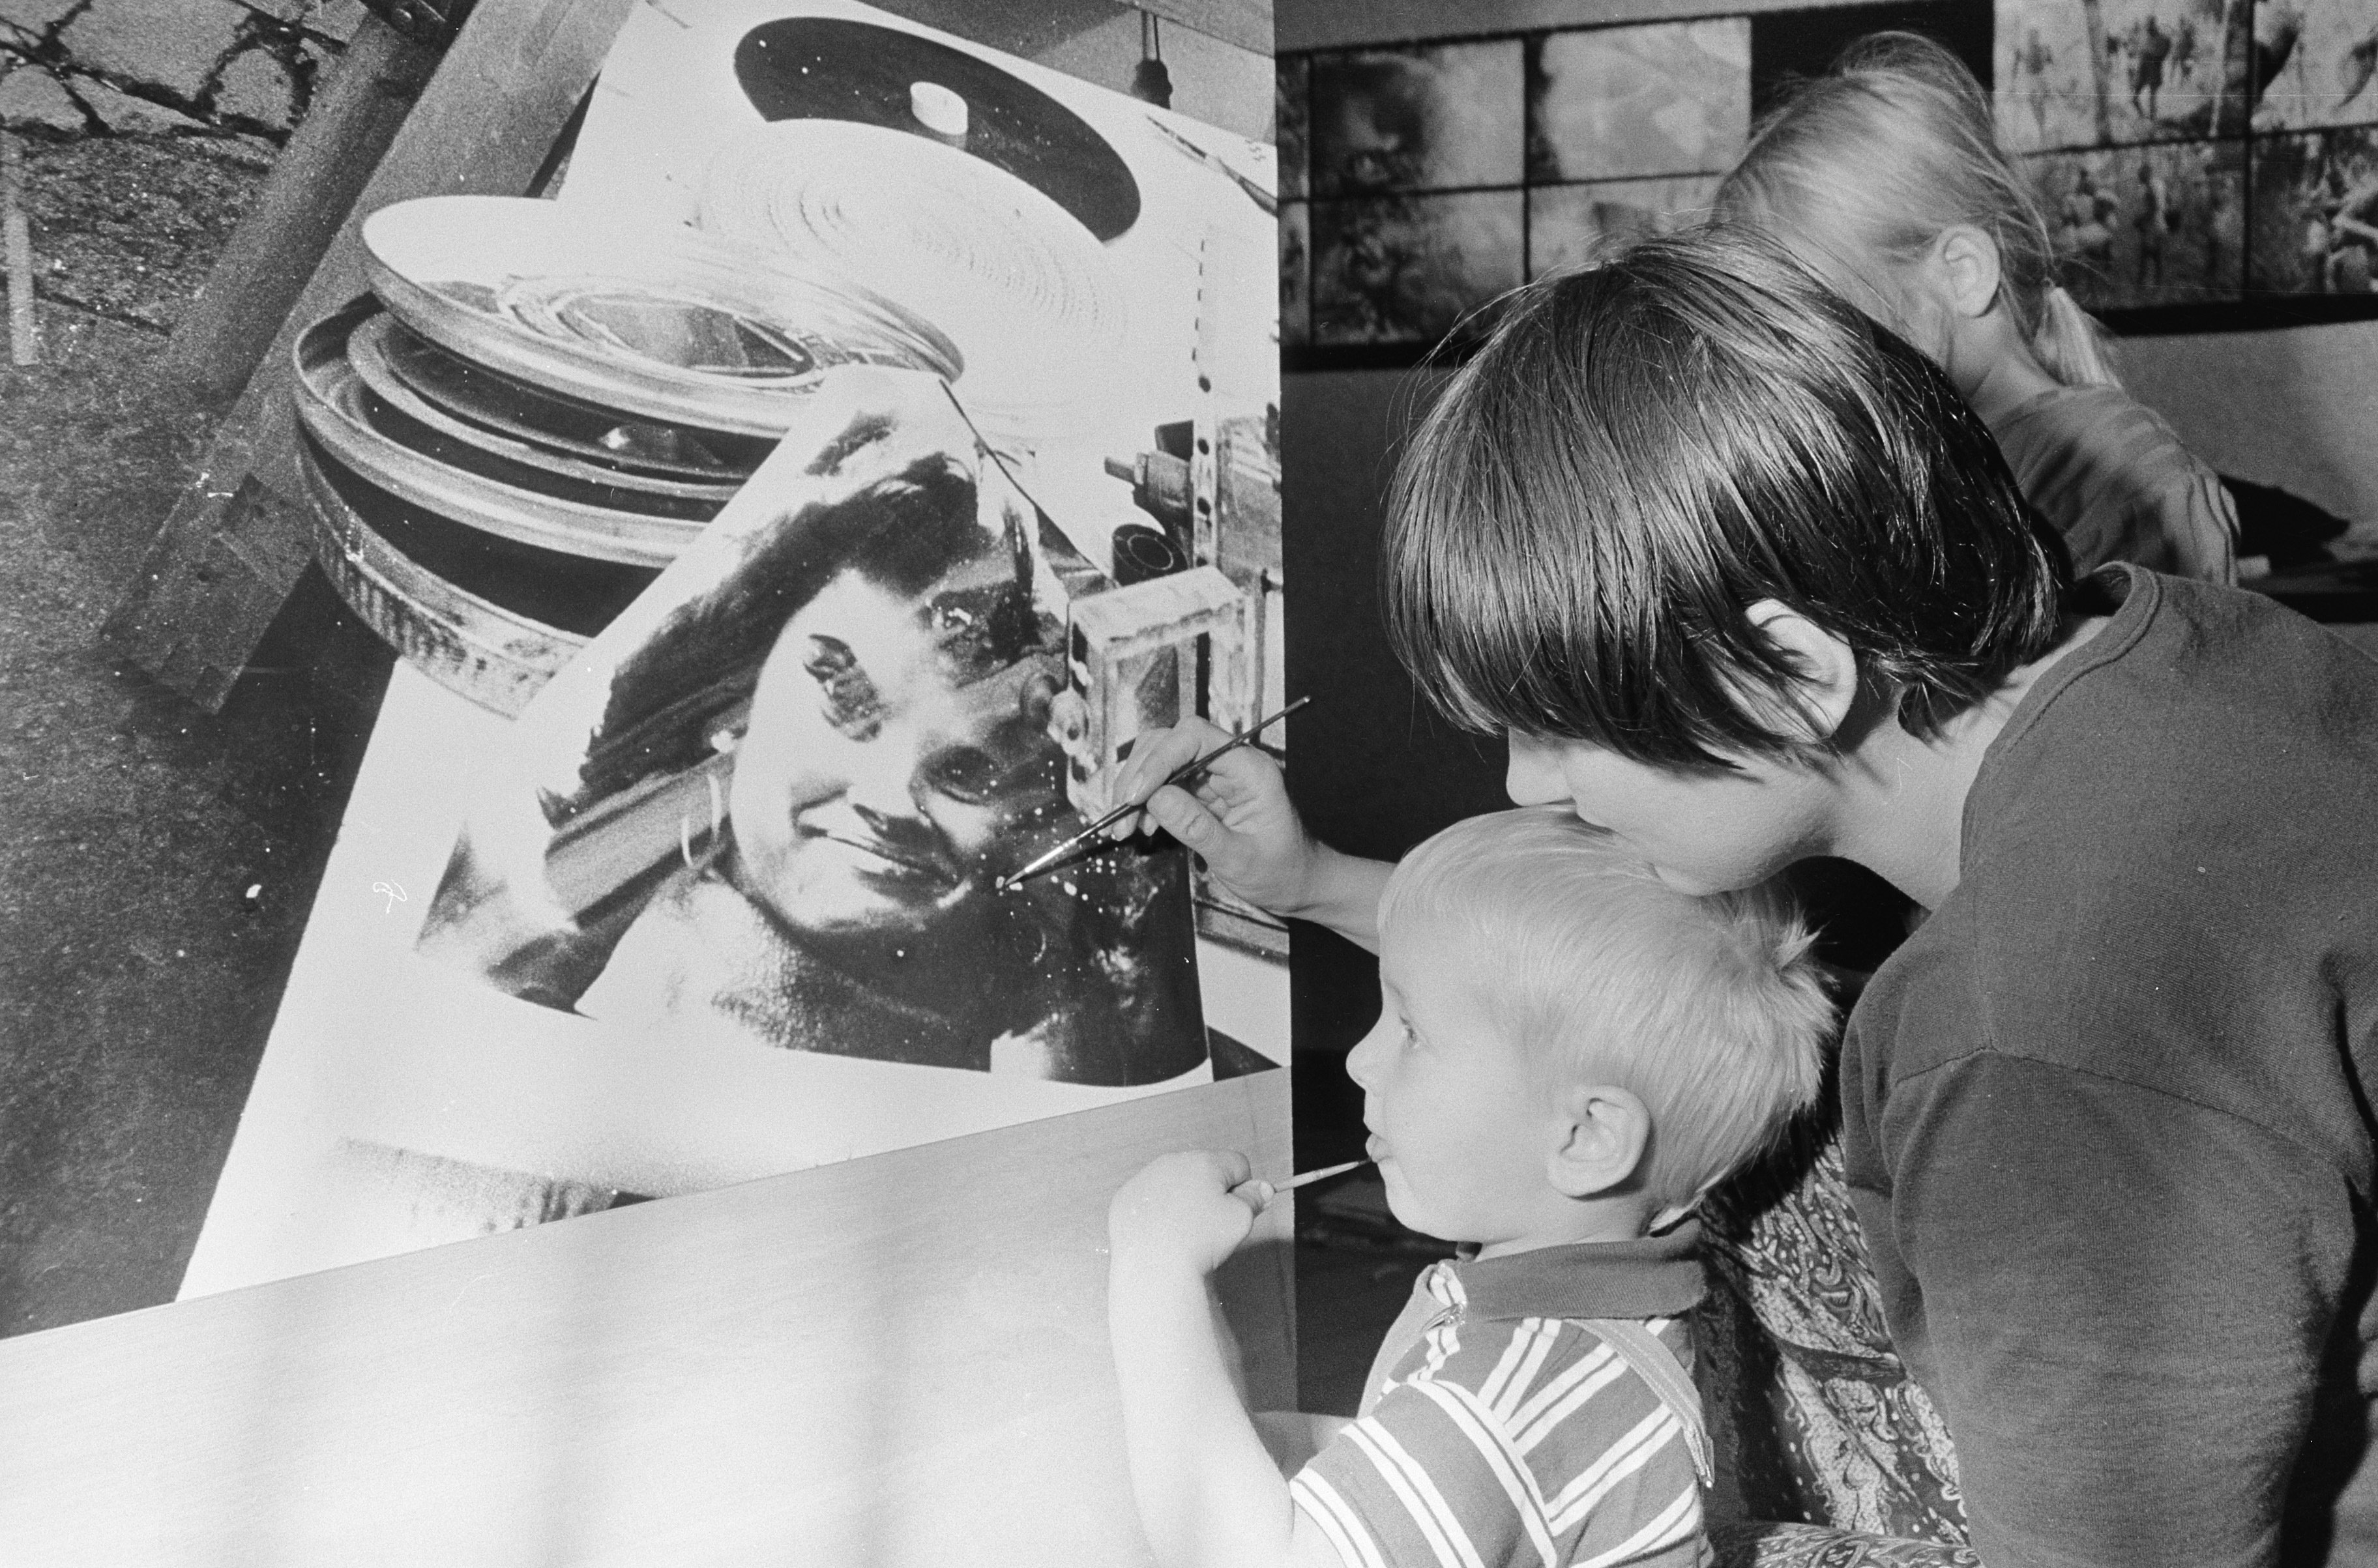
(1825, 683)
(1965, 266)
(1600, 1134)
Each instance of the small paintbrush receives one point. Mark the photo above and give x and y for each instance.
(1293, 1182)
(1049, 858)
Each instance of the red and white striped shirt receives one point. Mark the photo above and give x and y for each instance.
(1509, 1420)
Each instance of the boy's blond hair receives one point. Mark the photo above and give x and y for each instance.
(1711, 1010)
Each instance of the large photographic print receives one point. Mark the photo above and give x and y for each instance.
(774, 801)
(791, 525)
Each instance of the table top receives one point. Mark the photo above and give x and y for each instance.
(889, 1361)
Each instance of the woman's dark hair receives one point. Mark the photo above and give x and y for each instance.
(1642, 451)
(905, 531)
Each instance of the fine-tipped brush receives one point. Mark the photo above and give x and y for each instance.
(1049, 859)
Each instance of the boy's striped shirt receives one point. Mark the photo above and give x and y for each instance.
(1500, 1429)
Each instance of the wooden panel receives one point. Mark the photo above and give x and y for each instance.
(894, 1361)
(229, 553)
(313, 183)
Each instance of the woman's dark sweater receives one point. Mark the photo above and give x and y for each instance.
(2107, 1114)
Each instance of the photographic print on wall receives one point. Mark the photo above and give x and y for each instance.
(2314, 65)
(1570, 225)
(901, 420)
(2202, 164)
(1436, 117)
(2111, 73)
(2317, 212)
(1630, 101)
(1628, 129)
(1444, 175)
(1415, 158)
(1402, 270)
(2145, 225)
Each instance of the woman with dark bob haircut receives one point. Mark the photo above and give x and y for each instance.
(1741, 579)
(789, 822)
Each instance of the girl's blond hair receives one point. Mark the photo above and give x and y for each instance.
(1886, 151)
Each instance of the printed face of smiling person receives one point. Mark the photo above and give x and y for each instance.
(881, 768)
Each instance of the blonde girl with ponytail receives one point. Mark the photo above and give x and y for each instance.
(1885, 177)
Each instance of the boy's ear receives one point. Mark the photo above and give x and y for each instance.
(1600, 1133)
(1828, 685)
(1964, 263)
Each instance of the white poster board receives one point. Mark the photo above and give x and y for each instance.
(403, 1101)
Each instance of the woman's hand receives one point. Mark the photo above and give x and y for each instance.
(1237, 816)
(1181, 1211)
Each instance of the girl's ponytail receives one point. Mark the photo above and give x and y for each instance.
(2073, 345)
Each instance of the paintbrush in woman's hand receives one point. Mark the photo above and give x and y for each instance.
(1049, 858)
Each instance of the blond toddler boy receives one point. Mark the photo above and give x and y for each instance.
(1569, 1054)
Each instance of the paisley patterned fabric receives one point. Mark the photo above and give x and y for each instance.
(1812, 1545)
(1829, 1454)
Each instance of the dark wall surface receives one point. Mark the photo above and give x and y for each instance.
(1374, 769)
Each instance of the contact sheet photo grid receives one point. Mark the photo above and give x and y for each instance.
(2201, 164)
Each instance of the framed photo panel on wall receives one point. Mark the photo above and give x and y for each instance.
(2201, 164)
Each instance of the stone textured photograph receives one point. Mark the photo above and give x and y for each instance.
(1406, 268)
(1435, 118)
(1612, 102)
